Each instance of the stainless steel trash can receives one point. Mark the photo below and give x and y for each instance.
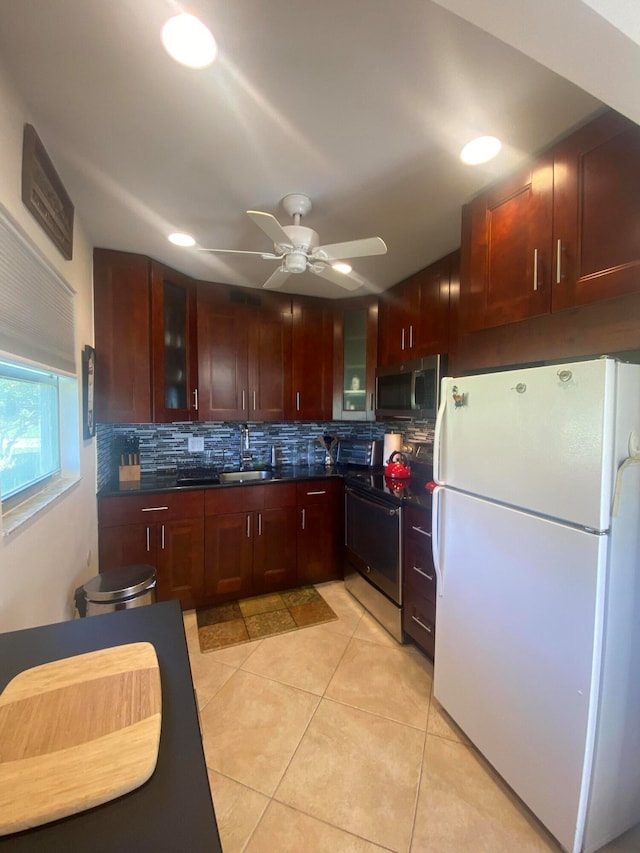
(120, 589)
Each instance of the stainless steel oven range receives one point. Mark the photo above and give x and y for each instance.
(373, 552)
(374, 510)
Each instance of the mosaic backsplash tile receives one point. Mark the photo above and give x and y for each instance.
(165, 446)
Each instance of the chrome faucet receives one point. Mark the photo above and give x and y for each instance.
(245, 448)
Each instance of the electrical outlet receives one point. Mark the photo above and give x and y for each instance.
(196, 444)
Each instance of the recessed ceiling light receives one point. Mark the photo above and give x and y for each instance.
(341, 267)
(480, 150)
(188, 41)
(182, 239)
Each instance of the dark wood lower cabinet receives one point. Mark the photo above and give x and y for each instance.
(250, 541)
(216, 545)
(419, 585)
(163, 530)
(320, 515)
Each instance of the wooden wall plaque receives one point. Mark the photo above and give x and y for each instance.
(44, 195)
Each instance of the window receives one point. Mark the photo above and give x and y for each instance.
(29, 430)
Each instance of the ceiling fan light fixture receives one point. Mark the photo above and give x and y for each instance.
(295, 262)
(480, 150)
(340, 266)
(179, 239)
(187, 40)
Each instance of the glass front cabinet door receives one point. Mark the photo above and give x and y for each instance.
(175, 384)
(355, 359)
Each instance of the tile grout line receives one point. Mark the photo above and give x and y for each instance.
(273, 798)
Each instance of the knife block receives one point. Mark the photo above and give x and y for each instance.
(128, 473)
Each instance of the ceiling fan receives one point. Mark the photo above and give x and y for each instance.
(298, 248)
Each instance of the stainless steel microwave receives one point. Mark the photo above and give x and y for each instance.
(410, 389)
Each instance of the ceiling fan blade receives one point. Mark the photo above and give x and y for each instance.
(277, 279)
(268, 256)
(351, 249)
(346, 280)
(271, 227)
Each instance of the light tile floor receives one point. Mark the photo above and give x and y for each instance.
(328, 739)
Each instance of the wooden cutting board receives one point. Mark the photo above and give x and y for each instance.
(76, 733)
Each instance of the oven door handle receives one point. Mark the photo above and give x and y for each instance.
(376, 504)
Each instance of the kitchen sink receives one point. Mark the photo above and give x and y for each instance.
(244, 476)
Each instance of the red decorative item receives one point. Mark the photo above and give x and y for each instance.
(431, 486)
(396, 484)
(397, 470)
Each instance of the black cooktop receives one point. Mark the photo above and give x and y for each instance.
(395, 491)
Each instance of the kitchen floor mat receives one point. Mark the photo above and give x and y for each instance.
(261, 616)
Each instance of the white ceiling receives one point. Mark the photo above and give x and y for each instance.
(361, 104)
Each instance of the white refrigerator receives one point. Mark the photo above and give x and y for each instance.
(536, 541)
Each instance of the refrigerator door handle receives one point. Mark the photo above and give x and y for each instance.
(435, 539)
(438, 431)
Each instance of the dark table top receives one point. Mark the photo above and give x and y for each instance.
(173, 811)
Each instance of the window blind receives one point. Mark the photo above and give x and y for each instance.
(36, 305)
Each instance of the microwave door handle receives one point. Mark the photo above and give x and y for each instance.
(413, 390)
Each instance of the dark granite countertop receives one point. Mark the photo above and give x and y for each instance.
(167, 482)
(414, 494)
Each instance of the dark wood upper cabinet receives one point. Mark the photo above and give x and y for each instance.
(222, 356)
(510, 252)
(596, 217)
(435, 284)
(562, 233)
(243, 355)
(414, 315)
(269, 361)
(173, 346)
(122, 320)
(311, 395)
(398, 322)
(145, 334)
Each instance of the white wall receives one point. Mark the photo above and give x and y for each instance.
(43, 561)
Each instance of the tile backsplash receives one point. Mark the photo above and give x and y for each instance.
(164, 446)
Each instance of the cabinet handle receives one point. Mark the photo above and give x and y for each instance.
(424, 574)
(297, 401)
(254, 401)
(371, 407)
(195, 399)
(411, 336)
(153, 508)
(148, 539)
(248, 527)
(243, 401)
(559, 262)
(420, 530)
(402, 340)
(323, 492)
(162, 537)
(535, 269)
(259, 524)
(427, 628)
(304, 517)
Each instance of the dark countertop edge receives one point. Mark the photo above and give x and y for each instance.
(167, 483)
(153, 484)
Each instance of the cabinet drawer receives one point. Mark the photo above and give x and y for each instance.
(232, 499)
(316, 491)
(150, 508)
(419, 621)
(420, 576)
(279, 495)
